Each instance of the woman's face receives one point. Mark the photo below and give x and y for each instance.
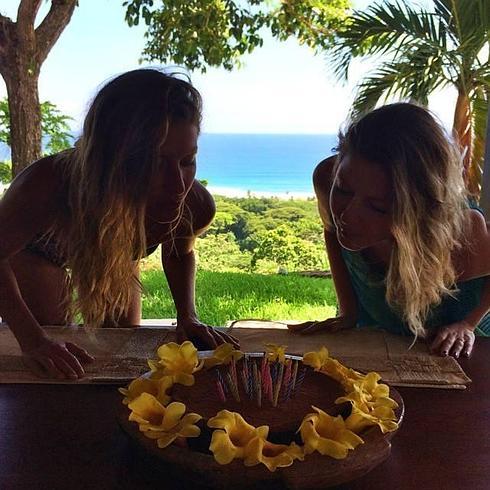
(178, 163)
(361, 201)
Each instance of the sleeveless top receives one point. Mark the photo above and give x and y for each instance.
(373, 309)
(370, 289)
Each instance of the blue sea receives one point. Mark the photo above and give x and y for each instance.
(262, 164)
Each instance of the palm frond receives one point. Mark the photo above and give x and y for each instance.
(385, 28)
(468, 22)
(412, 77)
(371, 90)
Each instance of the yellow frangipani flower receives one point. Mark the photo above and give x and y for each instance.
(316, 359)
(164, 424)
(233, 436)
(371, 404)
(178, 361)
(349, 377)
(328, 435)
(274, 456)
(223, 354)
(368, 394)
(321, 361)
(382, 416)
(276, 352)
(157, 387)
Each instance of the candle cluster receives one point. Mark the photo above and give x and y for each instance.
(261, 380)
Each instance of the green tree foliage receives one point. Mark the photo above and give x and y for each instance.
(288, 250)
(5, 172)
(54, 127)
(263, 235)
(420, 51)
(201, 33)
(221, 253)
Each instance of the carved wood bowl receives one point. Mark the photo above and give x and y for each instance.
(195, 467)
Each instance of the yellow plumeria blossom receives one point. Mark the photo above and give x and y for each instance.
(382, 416)
(223, 354)
(164, 424)
(157, 387)
(328, 435)
(316, 359)
(371, 405)
(233, 437)
(276, 352)
(321, 361)
(274, 456)
(177, 360)
(368, 393)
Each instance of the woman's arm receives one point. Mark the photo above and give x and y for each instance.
(179, 265)
(322, 181)
(27, 209)
(459, 338)
(471, 261)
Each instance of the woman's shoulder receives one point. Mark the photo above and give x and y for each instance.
(324, 170)
(40, 183)
(323, 175)
(43, 176)
(322, 183)
(473, 259)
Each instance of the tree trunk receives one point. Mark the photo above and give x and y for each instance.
(25, 117)
(462, 128)
(23, 50)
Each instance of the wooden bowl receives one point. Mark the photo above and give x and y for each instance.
(192, 469)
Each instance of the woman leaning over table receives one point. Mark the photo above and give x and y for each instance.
(406, 250)
(74, 226)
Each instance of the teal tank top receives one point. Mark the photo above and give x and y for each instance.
(374, 310)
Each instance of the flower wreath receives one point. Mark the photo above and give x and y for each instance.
(164, 420)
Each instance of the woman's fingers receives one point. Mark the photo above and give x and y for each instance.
(82, 355)
(454, 342)
(57, 360)
(468, 346)
(439, 339)
(50, 368)
(457, 347)
(230, 339)
(299, 327)
(66, 368)
(205, 335)
(330, 325)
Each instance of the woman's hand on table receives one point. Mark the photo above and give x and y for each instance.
(203, 336)
(53, 359)
(456, 339)
(329, 325)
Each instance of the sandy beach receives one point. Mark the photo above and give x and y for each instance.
(235, 192)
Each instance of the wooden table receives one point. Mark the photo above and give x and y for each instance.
(67, 437)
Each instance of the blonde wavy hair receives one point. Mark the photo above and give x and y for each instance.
(430, 200)
(106, 179)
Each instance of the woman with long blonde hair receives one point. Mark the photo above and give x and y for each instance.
(74, 226)
(406, 250)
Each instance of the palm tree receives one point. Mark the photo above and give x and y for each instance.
(420, 51)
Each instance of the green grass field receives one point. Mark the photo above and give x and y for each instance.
(224, 296)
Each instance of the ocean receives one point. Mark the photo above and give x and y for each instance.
(260, 164)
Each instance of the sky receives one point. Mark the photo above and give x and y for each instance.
(283, 87)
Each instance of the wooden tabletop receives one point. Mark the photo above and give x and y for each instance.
(67, 437)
